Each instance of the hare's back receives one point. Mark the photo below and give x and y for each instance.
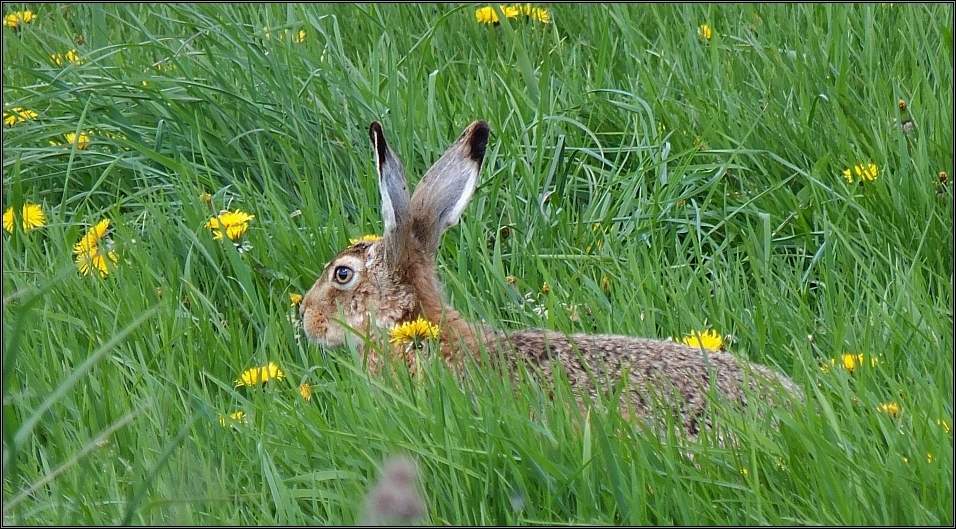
(652, 366)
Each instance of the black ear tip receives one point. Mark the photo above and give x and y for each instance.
(378, 141)
(478, 140)
(375, 129)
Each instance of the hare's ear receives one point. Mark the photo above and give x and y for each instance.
(447, 187)
(394, 190)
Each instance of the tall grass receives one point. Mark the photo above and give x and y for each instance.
(658, 182)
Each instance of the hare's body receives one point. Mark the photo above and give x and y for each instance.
(373, 286)
(656, 371)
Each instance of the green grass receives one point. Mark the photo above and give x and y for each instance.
(690, 183)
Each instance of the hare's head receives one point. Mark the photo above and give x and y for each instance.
(381, 283)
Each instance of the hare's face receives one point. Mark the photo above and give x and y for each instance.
(354, 293)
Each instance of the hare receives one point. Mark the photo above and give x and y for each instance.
(372, 286)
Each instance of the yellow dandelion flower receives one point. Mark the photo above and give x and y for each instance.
(31, 216)
(299, 37)
(541, 15)
(535, 13)
(236, 416)
(94, 259)
(890, 408)
(17, 18)
(92, 238)
(860, 173)
(260, 375)
(902, 104)
(413, 333)
(849, 361)
(365, 238)
(90, 256)
(81, 140)
(71, 57)
(305, 389)
(705, 31)
(295, 298)
(235, 223)
(708, 340)
(17, 115)
(487, 15)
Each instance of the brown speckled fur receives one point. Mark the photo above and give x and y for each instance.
(394, 281)
(679, 375)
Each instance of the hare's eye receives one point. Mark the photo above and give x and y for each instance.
(342, 274)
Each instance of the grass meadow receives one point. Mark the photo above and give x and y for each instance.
(777, 174)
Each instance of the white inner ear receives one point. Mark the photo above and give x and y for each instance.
(393, 188)
(446, 189)
(388, 212)
(452, 213)
(394, 197)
